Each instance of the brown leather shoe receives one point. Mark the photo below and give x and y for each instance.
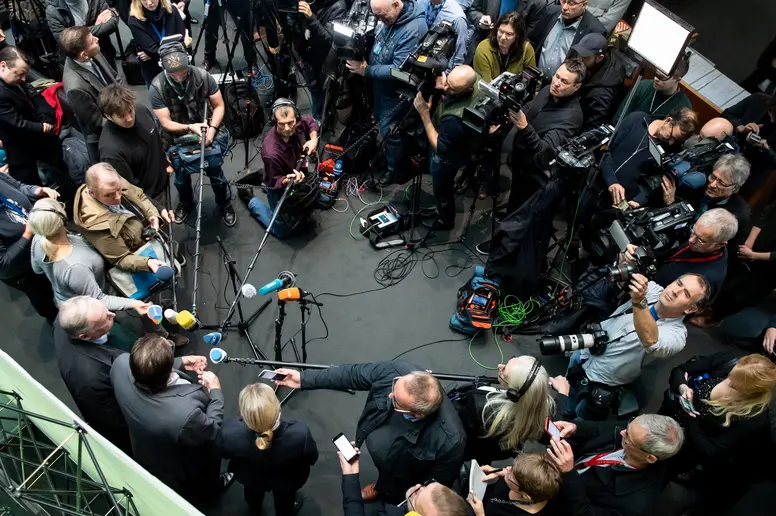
(368, 493)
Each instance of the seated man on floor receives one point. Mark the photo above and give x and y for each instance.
(291, 136)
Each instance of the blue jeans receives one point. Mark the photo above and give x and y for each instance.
(263, 213)
(443, 182)
(576, 403)
(394, 146)
(217, 182)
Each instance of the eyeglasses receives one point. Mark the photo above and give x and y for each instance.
(415, 491)
(714, 177)
(572, 3)
(627, 440)
(699, 239)
(502, 377)
(396, 406)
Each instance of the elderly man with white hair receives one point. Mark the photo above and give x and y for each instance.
(87, 341)
(614, 468)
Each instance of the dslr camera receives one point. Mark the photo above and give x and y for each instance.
(645, 264)
(591, 337)
(354, 36)
(505, 92)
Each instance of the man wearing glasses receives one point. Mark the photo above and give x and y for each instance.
(660, 96)
(608, 469)
(411, 428)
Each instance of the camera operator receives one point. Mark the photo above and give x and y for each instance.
(314, 43)
(410, 426)
(659, 97)
(756, 115)
(605, 76)
(177, 97)
(403, 25)
(627, 158)
(437, 11)
(293, 135)
(610, 468)
(427, 499)
(650, 323)
(173, 421)
(450, 144)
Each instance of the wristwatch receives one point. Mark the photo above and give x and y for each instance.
(643, 303)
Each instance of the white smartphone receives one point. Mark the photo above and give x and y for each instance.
(551, 429)
(343, 445)
(272, 375)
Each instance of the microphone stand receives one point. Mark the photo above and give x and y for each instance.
(198, 225)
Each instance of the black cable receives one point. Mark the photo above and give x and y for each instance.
(428, 344)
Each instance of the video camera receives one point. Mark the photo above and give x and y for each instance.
(505, 92)
(429, 59)
(688, 167)
(591, 337)
(578, 152)
(651, 230)
(354, 36)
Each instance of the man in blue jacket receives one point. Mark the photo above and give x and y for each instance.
(403, 25)
(437, 11)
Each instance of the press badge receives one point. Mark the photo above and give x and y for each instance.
(377, 49)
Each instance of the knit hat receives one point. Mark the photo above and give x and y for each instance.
(173, 55)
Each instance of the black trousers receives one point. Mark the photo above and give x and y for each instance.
(284, 501)
(49, 151)
(38, 290)
(240, 10)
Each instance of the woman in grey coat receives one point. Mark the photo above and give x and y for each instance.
(72, 266)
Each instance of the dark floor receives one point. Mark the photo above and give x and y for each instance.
(368, 327)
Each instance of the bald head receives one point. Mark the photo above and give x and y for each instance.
(104, 184)
(387, 11)
(462, 78)
(718, 128)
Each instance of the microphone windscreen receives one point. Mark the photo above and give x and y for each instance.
(217, 355)
(213, 338)
(155, 313)
(270, 287)
(165, 273)
(248, 290)
(186, 319)
(289, 294)
(171, 316)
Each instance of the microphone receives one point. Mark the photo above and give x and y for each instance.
(213, 338)
(187, 320)
(217, 355)
(171, 316)
(248, 290)
(155, 313)
(165, 273)
(284, 280)
(291, 294)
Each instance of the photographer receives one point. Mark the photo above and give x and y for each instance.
(403, 25)
(450, 143)
(410, 426)
(650, 323)
(613, 469)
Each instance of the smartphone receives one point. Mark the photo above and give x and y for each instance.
(343, 445)
(272, 375)
(551, 429)
(687, 405)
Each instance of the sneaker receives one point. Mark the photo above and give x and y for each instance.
(209, 63)
(225, 481)
(484, 247)
(438, 224)
(484, 192)
(194, 21)
(229, 216)
(386, 179)
(182, 213)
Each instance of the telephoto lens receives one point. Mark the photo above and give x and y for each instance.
(564, 343)
(621, 272)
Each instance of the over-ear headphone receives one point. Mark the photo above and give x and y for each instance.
(61, 215)
(514, 395)
(283, 102)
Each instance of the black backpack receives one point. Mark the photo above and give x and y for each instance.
(244, 117)
(130, 63)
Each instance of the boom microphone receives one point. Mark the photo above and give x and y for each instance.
(217, 355)
(284, 280)
(187, 320)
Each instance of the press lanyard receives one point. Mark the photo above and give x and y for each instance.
(160, 34)
(675, 257)
(652, 104)
(430, 8)
(14, 208)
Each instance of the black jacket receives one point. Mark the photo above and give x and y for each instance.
(433, 449)
(145, 36)
(83, 88)
(600, 93)
(353, 505)
(537, 35)
(59, 18)
(735, 204)
(709, 442)
(22, 113)
(85, 369)
(688, 261)
(609, 491)
(15, 250)
(551, 121)
(315, 50)
(754, 109)
(285, 466)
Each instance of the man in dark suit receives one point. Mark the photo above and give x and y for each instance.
(173, 422)
(558, 29)
(611, 468)
(87, 342)
(85, 75)
(28, 125)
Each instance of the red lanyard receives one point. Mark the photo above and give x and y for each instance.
(597, 460)
(674, 257)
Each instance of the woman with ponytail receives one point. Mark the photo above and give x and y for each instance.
(499, 420)
(72, 266)
(267, 453)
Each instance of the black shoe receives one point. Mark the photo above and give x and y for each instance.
(229, 216)
(484, 247)
(210, 62)
(298, 502)
(245, 195)
(226, 480)
(386, 179)
(438, 224)
(193, 20)
(182, 213)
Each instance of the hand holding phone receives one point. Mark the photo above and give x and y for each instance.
(551, 429)
(348, 451)
(272, 375)
(687, 406)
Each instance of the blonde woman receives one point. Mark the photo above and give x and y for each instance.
(266, 452)
(150, 21)
(731, 397)
(499, 420)
(72, 266)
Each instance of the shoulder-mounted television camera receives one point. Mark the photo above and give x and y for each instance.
(505, 92)
(688, 167)
(354, 36)
(429, 59)
(578, 151)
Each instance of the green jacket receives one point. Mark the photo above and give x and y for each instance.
(486, 60)
(458, 105)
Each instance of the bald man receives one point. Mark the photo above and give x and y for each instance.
(112, 213)
(450, 143)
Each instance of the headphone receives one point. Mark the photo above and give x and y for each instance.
(514, 395)
(170, 46)
(283, 102)
(61, 216)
